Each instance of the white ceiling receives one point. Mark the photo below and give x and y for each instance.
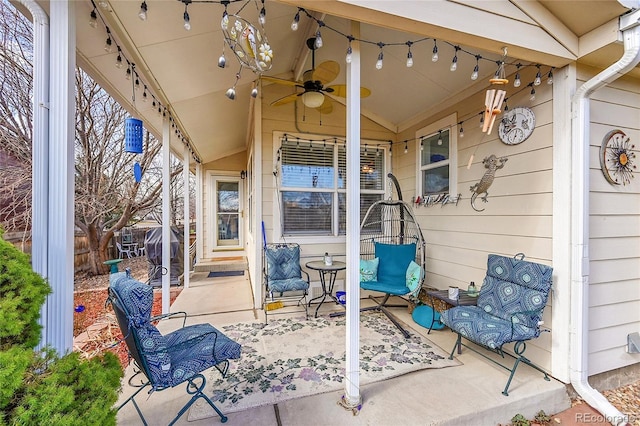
(180, 68)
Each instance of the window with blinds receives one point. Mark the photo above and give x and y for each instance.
(313, 186)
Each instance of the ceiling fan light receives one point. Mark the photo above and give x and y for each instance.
(312, 99)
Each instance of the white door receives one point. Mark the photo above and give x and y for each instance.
(228, 212)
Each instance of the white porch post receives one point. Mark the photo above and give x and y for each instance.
(60, 229)
(186, 155)
(40, 167)
(352, 383)
(199, 213)
(166, 215)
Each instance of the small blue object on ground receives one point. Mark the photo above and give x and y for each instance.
(424, 315)
(342, 297)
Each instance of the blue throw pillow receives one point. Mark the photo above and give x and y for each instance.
(369, 270)
(414, 278)
(394, 261)
(424, 315)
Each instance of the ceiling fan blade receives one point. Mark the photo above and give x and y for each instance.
(285, 100)
(341, 90)
(281, 81)
(326, 72)
(326, 107)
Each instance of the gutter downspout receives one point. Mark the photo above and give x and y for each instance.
(580, 122)
(40, 149)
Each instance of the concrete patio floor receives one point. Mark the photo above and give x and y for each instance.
(469, 394)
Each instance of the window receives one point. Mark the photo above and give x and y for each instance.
(313, 185)
(438, 154)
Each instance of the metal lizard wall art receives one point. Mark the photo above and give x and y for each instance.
(492, 163)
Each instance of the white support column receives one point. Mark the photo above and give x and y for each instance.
(186, 155)
(60, 224)
(166, 215)
(40, 166)
(199, 213)
(352, 383)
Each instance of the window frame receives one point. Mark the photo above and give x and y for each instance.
(335, 236)
(447, 123)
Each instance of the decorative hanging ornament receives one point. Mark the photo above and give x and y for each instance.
(495, 97)
(133, 135)
(248, 43)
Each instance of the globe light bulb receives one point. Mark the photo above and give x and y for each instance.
(474, 74)
(143, 11)
(187, 21)
(348, 57)
(295, 22)
(434, 56)
(93, 20)
(454, 63)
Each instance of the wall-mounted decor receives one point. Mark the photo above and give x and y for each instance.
(616, 158)
(516, 125)
(433, 199)
(491, 163)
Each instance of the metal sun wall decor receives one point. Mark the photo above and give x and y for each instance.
(491, 163)
(616, 158)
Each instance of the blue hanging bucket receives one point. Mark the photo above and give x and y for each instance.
(133, 135)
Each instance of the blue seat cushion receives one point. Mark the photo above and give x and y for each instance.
(395, 288)
(393, 261)
(481, 327)
(424, 314)
(197, 347)
(289, 284)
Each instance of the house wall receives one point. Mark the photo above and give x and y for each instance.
(312, 125)
(232, 164)
(518, 215)
(614, 230)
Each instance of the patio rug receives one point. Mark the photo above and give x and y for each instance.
(293, 358)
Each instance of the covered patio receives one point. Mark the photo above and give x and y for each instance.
(468, 394)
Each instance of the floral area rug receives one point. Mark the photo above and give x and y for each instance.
(292, 358)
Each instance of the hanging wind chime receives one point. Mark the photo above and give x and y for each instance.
(495, 97)
(133, 135)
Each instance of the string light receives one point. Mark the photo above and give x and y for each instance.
(461, 132)
(144, 94)
(409, 55)
(187, 20)
(93, 19)
(454, 61)
(476, 69)
(143, 11)
(128, 76)
(532, 93)
(108, 44)
(538, 78)
(421, 144)
(319, 42)
(406, 148)
(262, 18)
(434, 56)
(550, 77)
(349, 50)
(380, 56)
(119, 59)
(439, 137)
(296, 21)
(517, 81)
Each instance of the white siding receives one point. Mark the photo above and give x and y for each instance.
(518, 214)
(614, 241)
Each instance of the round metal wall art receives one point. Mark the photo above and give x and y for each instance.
(248, 43)
(616, 158)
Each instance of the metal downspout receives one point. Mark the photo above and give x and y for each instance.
(40, 148)
(579, 352)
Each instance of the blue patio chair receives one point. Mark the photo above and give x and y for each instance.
(283, 277)
(171, 359)
(509, 310)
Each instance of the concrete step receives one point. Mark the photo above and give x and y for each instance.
(236, 263)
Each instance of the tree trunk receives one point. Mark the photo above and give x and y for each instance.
(98, 251)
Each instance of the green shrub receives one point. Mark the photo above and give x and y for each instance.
(22, 293)
(40, 388)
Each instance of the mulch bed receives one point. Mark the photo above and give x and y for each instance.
(95, 329)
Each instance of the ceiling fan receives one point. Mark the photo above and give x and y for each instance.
(314, 84)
